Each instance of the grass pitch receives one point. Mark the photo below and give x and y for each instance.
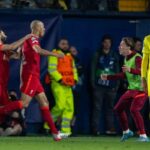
(73, 143)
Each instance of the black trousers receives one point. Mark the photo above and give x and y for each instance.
(103, 101)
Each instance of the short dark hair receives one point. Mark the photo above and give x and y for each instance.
(137, 39)
(107, 37)
(129, 42)
(63, 38)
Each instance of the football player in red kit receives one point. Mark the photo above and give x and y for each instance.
(30, 77)
(135, 97)
(6, 52)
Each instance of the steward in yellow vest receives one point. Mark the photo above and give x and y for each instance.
(63, 75)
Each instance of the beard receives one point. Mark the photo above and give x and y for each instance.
(3, 39)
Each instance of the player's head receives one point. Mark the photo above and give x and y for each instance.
(3, 36)
(63, 44)
(137, 44)
(106, 43)
(37, 27)
(126, 45)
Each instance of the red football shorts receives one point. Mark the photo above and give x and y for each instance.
(31, 85)
(4, 97)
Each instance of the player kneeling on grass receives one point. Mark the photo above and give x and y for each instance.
(135, 97)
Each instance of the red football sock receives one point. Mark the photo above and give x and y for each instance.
(48, 118)
(12, 106)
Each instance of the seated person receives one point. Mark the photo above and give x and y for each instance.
(12, 125)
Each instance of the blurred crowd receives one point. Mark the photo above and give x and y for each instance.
(98, 5)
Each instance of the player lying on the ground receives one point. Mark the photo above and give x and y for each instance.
(134, 98)
(30, 77)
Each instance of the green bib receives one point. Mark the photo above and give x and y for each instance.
(134, 81)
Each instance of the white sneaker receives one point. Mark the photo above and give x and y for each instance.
(57, 137)
(64, 135)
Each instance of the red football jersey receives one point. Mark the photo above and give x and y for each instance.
(4, 67)
(30, 58)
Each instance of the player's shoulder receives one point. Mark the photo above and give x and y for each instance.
(34, 38)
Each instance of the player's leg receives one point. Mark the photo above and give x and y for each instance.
(68, 112)
(120, 108)
(124, 104)
(25, 99)
(28, 90)
(12, 106)
(16, 105)
(136, 106)
(44, 106)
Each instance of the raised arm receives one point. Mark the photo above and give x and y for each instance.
(16, 44)
(16, 54)
(44, 52)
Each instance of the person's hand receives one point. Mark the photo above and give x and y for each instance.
(103, 76)
(144, 84)
(126, 69)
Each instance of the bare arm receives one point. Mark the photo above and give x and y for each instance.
(16, 55)
(16, 44)
(44, 52)
(117, 76)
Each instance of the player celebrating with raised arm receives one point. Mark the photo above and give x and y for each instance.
(6, 52)
(134, 98)
(30, 77)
